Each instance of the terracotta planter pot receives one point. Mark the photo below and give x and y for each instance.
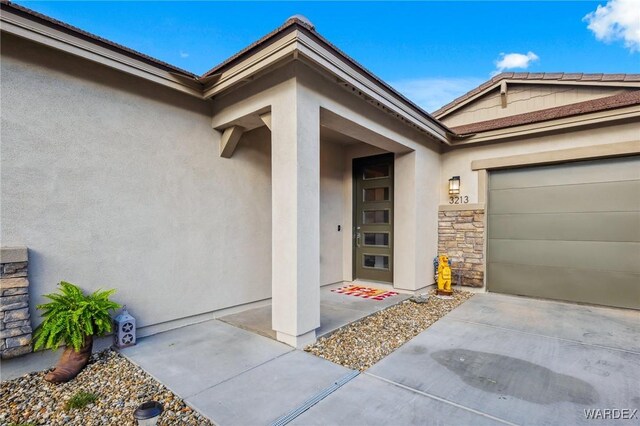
(71, 363)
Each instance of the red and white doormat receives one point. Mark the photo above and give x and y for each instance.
(365, 292)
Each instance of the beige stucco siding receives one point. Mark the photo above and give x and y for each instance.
(458, 161)
(523, 98)
(332, 202)
(114, 182)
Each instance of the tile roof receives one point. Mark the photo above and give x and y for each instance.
(96, 39)
(602, 104)
(557, 76)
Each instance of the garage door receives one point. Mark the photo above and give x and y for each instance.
(567, 232)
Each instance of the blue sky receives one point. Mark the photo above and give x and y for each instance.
(431, 51)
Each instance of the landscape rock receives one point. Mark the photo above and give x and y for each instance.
(119, 385)
(360, 345)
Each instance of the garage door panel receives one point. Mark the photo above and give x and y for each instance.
(612, 170)
(593, 255)
(568, 232)
(619, 289)
(591, 226)
(592, 197)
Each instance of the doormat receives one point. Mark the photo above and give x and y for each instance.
(365, 292)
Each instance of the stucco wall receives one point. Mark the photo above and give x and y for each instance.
(522, 98)
(331, 211)
(458, 161)
(114, 182)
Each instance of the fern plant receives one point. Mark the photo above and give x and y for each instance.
(71, 317)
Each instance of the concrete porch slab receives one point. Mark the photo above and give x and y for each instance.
(269, 391)
(355, 303)
(256, 320)
(191, 359)
(336, 311)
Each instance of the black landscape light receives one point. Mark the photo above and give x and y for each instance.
(148, 413)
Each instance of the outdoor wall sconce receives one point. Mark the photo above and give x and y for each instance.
(148, 413)
(124, 329)
(454, 185)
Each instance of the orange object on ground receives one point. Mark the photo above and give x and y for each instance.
(365, 292)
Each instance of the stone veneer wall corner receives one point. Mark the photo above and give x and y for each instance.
(461, 235)
(15, 322)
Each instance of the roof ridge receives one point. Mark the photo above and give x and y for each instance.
(522, 76)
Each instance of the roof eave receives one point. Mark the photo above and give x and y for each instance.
(299, 42)
(605, 117)
(26, 24)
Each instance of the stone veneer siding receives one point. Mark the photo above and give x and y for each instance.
(461, 237)
(15, 323)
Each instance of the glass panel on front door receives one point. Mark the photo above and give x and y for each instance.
(376, 194)
(373, 218)
(378, 262)
(376, 239)
(375, 171)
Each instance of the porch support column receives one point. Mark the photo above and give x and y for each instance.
(295, 180)
(416, 183)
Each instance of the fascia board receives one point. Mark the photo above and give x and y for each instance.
(255, 63)
(619, 149)
(330, 62)
(21, 27)
(297, 44)
(552, 125)
(620, 84)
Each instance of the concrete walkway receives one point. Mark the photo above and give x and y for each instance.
(494, 360)
(231, 375)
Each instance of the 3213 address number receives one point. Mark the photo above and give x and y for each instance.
(459, 200)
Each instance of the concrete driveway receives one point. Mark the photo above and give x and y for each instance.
(494, 360)
(500, 359)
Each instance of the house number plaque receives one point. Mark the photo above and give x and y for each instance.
(463, 199)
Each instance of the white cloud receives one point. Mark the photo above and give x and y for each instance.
(433, 93)
(617, 20)
(184, 54)
(508, 61)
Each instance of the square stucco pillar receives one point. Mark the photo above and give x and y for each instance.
(295, 179)
(417, 177)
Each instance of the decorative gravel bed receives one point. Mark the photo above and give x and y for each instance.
(361, 344)
(118, 385)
